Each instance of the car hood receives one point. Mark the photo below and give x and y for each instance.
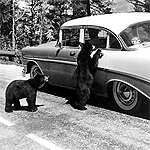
(42, 51)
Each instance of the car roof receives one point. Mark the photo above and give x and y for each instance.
(116, 22)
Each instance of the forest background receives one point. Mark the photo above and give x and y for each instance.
(33, 22)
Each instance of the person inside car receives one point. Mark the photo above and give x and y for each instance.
(94, 39)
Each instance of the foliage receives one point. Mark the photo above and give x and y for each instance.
(101, 6)
(39, 21)
(140, 6)
(5, 24)
(31, 24)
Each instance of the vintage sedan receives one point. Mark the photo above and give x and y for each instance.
(122, 73)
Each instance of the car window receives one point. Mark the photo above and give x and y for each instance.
(96, 37)
(136, 34)
(70, 37)
(101, 38)
(114, 43)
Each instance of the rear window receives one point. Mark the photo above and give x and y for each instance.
(136, 34)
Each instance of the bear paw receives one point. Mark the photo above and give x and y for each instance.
(8, 110)
(33, 109)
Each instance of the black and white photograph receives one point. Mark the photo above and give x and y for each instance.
(74, 75)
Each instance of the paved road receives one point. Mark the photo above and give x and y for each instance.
(57, 126)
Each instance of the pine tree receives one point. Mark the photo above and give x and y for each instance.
(141, 6)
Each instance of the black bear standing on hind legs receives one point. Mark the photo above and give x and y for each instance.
(86, 71)
(19, 89)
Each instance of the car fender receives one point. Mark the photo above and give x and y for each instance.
(140, 85)
(29, 65)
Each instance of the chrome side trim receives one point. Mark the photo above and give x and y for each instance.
(52, 60)
(118, 80)
(146, 82)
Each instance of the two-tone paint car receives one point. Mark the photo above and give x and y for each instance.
(122, 73)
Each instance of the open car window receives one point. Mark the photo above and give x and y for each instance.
(70, 37)
(96, 37)
(101, 38)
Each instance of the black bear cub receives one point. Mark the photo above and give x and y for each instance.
(19, 89)
(86, 71)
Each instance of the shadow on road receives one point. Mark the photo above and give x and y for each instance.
(111, 105)
(96, 101)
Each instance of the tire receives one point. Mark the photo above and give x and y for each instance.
(126, 97)
(34, 70)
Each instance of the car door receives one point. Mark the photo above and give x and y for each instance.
(98, 38)
(63, 69)
(112, 51)
(107, 42)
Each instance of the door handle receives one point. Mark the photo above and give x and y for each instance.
(72, 53)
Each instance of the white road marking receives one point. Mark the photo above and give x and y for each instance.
(6, 122)
(43, 142)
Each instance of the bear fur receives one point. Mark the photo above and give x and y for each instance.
(86, 71)
(19, 89)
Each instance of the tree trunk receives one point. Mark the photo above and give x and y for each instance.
(13, 26)
(147, 5)
(88, 7)
(32, 25)
(41, 26)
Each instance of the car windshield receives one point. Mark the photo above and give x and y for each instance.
(137, 34)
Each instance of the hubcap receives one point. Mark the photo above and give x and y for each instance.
(34, 71)
(125, 96)
(125, 93)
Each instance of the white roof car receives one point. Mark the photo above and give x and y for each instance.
(116, 22)
(123, 72)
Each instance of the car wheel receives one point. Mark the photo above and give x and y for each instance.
(126, 97)
(34, 70)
